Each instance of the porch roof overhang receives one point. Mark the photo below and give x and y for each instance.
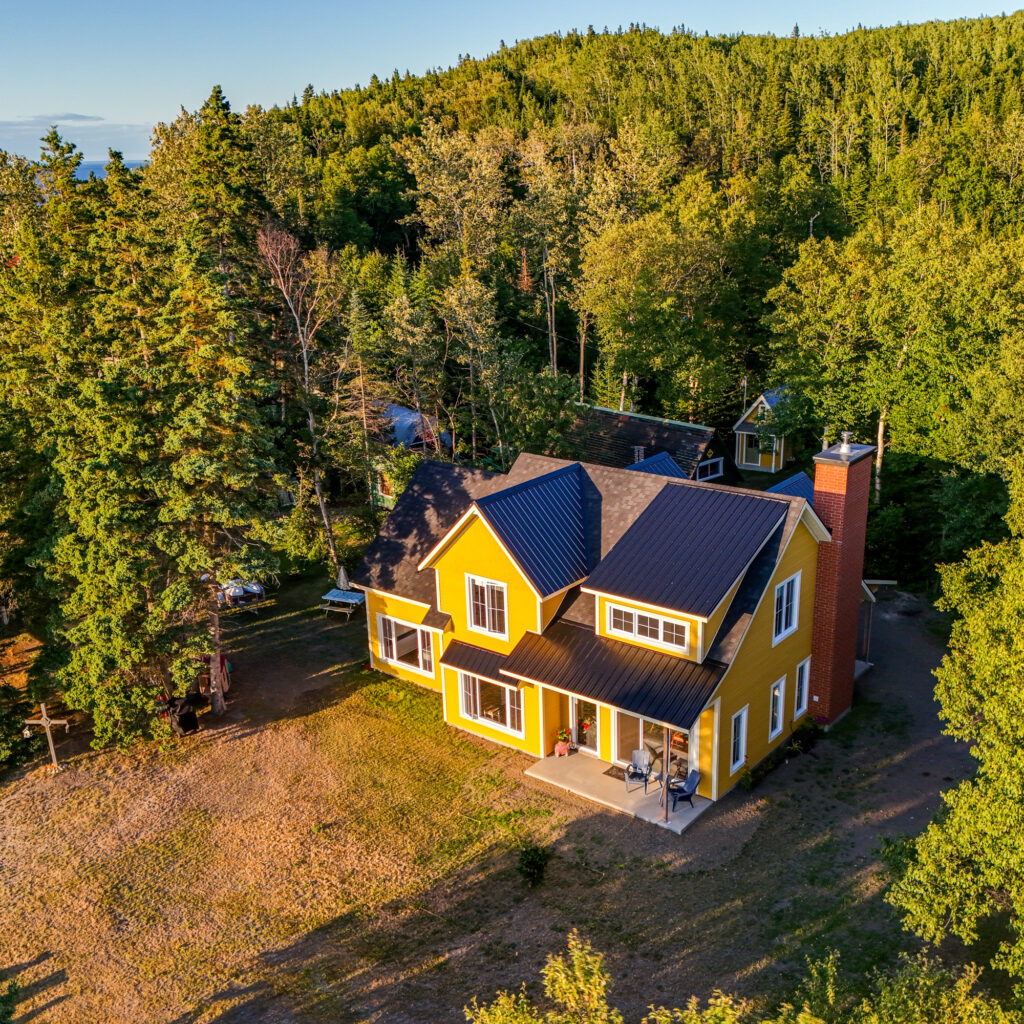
(573, 658)
(476, 661)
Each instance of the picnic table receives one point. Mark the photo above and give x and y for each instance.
(345, 601)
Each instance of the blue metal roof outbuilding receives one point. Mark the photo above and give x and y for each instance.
(661, 464)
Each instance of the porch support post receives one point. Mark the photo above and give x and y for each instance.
(665, 766)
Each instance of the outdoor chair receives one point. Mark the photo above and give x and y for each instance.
(640, 769)
(681, 790)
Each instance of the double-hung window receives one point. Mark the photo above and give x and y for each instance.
(776, 707)
(494, 704)
(803, 678)
(787, 608)
(738, 753)
(653, 629)
(404, 644)
(487, 606)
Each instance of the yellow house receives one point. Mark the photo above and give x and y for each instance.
(632, 609)
(768, 455)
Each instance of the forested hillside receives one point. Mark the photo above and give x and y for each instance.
(632, 218)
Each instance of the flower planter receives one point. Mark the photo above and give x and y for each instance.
(562, 749)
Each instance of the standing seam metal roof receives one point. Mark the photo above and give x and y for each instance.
(799, 485)
(541, 522)
(688, 546)
(661, 464)
(659, 686)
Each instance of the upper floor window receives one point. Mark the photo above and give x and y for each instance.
(656, 629)
(487, 604)
(405, 644)
(711, 470)
(803, 675)
(787, 608)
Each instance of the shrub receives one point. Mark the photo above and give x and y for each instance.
(533, 862)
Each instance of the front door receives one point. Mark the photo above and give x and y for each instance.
(584, 725)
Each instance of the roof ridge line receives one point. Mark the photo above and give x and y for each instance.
(646, 416)
(525, 484)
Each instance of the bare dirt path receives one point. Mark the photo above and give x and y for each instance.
(330, 851)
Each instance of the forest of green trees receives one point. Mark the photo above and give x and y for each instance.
(636, 219)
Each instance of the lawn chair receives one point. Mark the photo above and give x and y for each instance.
(681, 790)
(640, 769)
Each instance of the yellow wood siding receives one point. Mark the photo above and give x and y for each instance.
(692, 623)
(406, 611)
(548, 607)
(713, 624)
(705, 756)
(758, 664)
(604, 744)
(476, 552)
(530, 742)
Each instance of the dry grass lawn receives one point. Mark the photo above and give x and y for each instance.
(331, 851)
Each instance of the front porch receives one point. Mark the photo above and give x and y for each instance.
(585, 776)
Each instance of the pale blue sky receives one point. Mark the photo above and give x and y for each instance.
(107, 71)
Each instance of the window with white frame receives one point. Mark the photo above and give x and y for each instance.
(402, 643)
(776, 708)
(495, 704)
(487, 604)
(711, 470)
(803, 678)
(655, 629)
(787, 608)
(739, 740)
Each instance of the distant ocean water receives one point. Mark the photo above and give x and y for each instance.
(87, 167)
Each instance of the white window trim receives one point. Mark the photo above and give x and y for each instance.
(778, 638)
(797, 709)
(719, 465)
(735, 766)
(595, 750)
(489, 722)
(471, 578)
(432, 674)
(646, 640)
(777, 731)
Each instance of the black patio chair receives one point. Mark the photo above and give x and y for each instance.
(684, 790)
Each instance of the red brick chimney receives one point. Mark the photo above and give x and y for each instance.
(842, 477)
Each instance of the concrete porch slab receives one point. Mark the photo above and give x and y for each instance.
(584, 775)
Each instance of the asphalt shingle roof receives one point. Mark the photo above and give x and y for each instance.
(687, 548)
(647, 683)
(541, 522)
(438, 494)
(607, 437)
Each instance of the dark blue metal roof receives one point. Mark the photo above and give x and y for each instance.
(661, 464)
(540, 521)
(776, 395)
(687, 548)
(799, 485)
(648, 683)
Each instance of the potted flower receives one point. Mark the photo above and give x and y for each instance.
(562, 746)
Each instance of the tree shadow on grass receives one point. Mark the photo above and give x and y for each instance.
(31, 986)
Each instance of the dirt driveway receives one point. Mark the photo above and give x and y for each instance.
(331, 851)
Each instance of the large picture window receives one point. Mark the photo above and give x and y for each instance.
(487, 606)
(494, 704)
(787, 608)
(655, 629)
(402, 643)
